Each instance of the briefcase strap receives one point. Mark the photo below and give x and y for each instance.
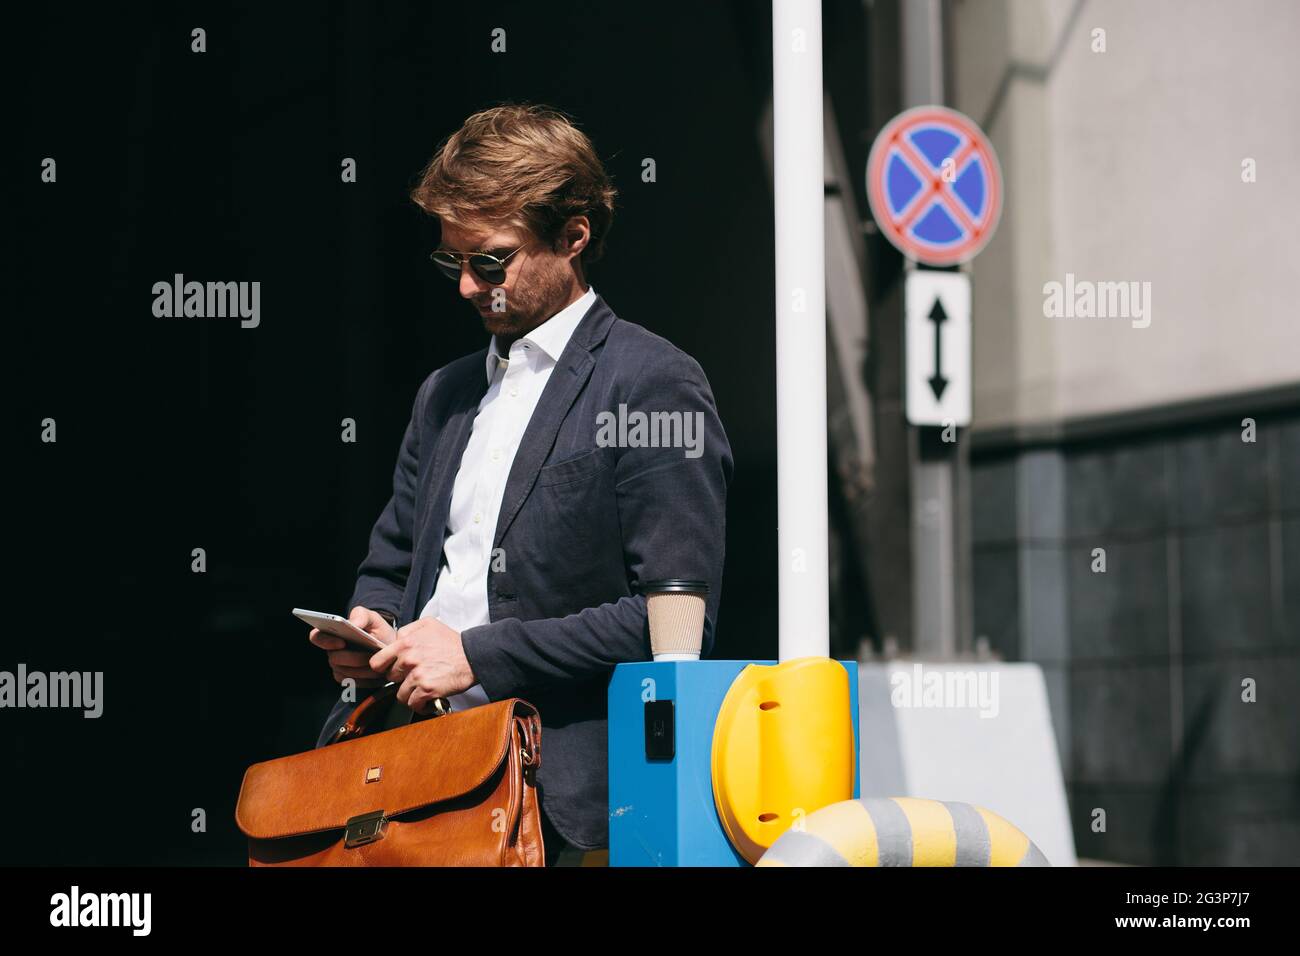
(374, 708)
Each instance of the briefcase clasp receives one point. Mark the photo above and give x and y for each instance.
(365, 828)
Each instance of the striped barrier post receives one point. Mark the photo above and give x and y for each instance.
(903, 831)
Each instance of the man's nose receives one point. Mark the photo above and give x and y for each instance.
(470, 284)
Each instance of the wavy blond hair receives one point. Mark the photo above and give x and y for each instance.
(521, 164)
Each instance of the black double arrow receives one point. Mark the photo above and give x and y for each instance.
(937, 382)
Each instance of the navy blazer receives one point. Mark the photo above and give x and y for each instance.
(582, 523)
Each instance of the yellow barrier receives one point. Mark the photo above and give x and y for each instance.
(782, 746)
(784, 762)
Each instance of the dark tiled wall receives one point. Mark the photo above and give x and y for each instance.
(1145, 662)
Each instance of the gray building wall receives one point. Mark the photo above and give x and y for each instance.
(1126, 164)
(1145, 662)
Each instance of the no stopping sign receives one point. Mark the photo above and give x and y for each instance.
(934, 185)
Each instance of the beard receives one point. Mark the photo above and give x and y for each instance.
(536, 297)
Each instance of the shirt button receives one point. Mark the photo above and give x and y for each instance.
(514, 393)
(496, 454)
(478, 517)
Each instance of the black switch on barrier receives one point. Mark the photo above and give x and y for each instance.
(659, 739)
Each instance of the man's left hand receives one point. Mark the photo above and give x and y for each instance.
(426, 661)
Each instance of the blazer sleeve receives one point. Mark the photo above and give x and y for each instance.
(672, 512)
(381, 577)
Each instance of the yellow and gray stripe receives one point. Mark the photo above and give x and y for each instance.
(903, 831)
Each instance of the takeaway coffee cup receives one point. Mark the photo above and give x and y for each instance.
(676, 610)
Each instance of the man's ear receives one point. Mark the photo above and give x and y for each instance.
(576, 235)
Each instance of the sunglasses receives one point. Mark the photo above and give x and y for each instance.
(489, 268)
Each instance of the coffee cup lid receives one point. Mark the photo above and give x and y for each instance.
(689, 585)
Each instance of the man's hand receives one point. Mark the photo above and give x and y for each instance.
(352, 661)
(427, 661)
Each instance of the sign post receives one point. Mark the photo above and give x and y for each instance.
(935, 190)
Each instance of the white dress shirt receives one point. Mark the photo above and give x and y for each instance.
(515, 384)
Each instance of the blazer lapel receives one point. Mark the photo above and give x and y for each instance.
(453, 438)
(562, 388)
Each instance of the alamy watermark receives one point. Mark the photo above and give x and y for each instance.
(1084, 299)
(945, 687)
(76, 908)
(651, 430)
(82, 690)
(208, 300)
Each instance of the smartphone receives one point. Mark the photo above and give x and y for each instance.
(337, 626)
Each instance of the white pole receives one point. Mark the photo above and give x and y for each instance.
(799, 187)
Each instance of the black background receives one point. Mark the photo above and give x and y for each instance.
(178, 433)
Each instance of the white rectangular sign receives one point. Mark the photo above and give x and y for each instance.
(937, 308)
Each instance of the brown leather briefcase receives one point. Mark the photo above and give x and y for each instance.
(454, 790)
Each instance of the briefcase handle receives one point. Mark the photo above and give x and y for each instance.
(372, 710)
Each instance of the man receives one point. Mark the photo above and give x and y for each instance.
(518, 533)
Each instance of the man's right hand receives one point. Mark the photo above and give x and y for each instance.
(348, 661)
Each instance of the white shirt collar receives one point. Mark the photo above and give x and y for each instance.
(553, 334)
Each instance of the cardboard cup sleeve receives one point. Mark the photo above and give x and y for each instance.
(676, 610)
